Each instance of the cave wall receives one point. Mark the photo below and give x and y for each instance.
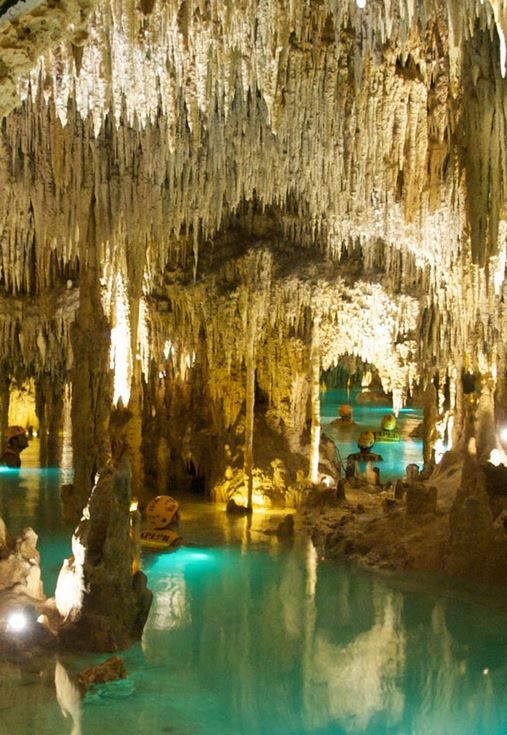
(239, 172)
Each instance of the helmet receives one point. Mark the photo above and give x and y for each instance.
(12, 431)
(366, 440)
(160, 511)
(388, 422)
(345, 412)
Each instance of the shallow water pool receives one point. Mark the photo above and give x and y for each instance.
(251, 636)
(395, 455)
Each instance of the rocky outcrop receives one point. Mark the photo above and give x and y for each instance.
(413, 530)
(473, 550)
(110, 670)
(24, 629)
(19, 564)
(103, 602)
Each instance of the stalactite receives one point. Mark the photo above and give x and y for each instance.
(484, 128)
(458, 409)
(4, 403)
(41, 404)
(396, 102)
(375, 133)
(314, 377)
(250, 407)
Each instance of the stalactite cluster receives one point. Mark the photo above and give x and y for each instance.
(145, 132)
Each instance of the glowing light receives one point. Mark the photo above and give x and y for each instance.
(22, 405)
(450, 427)
(485, 671)
(182, 557)
(503, 435)
(121, 358)
(70, 585)
(16, 622)
(311, 568)
(259, 500)
(361, 3)
(501, 36)
(199, 555)
(168, 349)
(496, 457)
(440, 449)
(367, 376)
(134, 503)
(66, 458)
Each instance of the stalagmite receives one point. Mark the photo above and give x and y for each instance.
(206, 204)
(486, 434)
(429, 426)
(49, 407)
(103, 603)
(4, 403)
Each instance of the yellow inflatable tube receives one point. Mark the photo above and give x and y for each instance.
(153, 539)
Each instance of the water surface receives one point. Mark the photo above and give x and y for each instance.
(396, 455)
(248, 635)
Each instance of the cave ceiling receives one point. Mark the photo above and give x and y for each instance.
(149, 128)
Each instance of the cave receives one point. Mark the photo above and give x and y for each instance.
(253, 402)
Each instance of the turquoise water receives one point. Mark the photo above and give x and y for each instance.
(248, 635)
(396, 455)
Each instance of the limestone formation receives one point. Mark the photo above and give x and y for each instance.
(104, 605)
(19, 564)
(205, 204)
(23, 633)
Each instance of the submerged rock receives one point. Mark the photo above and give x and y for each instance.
(111, 669)
(234, 508)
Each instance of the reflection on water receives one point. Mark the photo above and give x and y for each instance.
(68, 697)
(253, 636)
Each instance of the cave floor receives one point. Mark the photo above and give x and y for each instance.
(253, 635)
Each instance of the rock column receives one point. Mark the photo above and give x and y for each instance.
(313, 474)
(91, 376)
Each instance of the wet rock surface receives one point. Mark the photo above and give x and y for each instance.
(19, 563)
(104, 605)
(412, 530)
(110, 670)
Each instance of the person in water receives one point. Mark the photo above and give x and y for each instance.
(344, 420)
(16, 441)
(365, 444)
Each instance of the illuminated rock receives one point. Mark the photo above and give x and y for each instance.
(205, 205)
(104, 604)
(19, 564)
